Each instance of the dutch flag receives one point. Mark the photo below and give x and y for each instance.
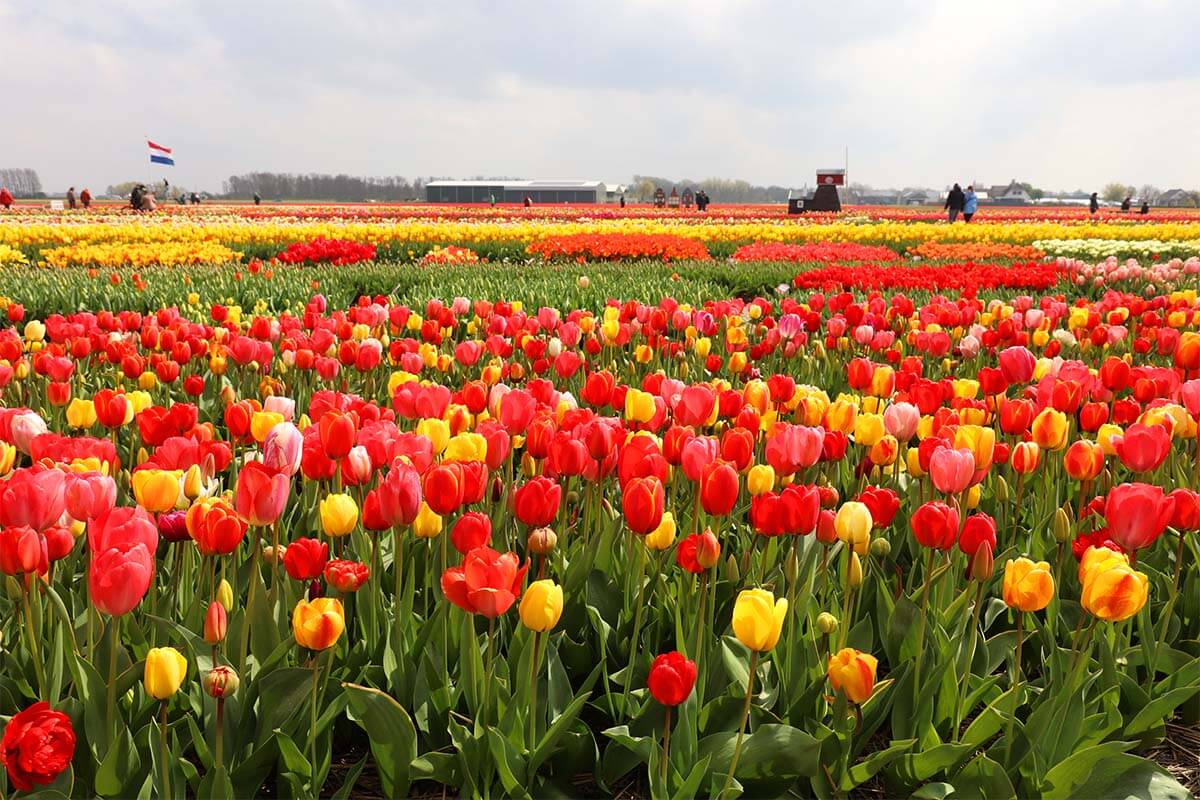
(160, 154)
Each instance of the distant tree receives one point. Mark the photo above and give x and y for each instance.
(1033, 191)
(21, 181)
(313, 186)
(1149, 192)
(1116, 192)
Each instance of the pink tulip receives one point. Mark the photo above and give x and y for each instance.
(952, 470)
(33, 497)
(901, 420)
(89, 494)
(262, 493)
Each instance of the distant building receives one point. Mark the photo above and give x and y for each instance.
(1177, 198)
(538, 191)
(614, 191)
(921, 197)
(1013, 194)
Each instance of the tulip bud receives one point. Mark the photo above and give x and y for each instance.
(225, 595)
(542, 541)
(854, 575)
(827, 623)
(221, 682)
(216, 623)
(792, 566)
(315, 589)
(1002, 492)
(708, 550)
(982, 564)
(732, 573)
(881, 548)
(1062, 525)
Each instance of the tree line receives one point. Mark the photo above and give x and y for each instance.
(721, 190)
(21, 181)
(314, 186)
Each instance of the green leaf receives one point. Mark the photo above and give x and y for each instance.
(293, 760)
(392, 734)
(1156, 712)
(509, 764)
(772, 752)
(347, 787)
(282, 694)
(983, 779)
(546, 746)
(690, 786)
(120, 763)
(1106, 771)
(866, 769)
(933, 791)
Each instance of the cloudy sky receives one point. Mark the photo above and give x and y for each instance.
(1064, 95)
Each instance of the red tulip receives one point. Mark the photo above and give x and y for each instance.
(935, 525)
(34, 497)
(262, 493)
(882, 503)
(719, 488)
(346, 576)
(792, 448)
(305, 559)
(398, 496)
(487, 582)
(89, 494)
(443, 488)
(1185, 516)
(1083, 460)
(671, 678)
(38, 746)
(1017, 364)
(122, 542)
(472, 530)
(216, 623)
(338, 432)
(536, 502)
(979, 529)
(111, 408)
(1137, 514)
(642, 502)
(1143, 448)
(23, 550)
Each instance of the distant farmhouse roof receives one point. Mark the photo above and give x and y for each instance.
(534, 184)
(1011, 194)
(1176, 198)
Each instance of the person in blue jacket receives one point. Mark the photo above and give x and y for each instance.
(970, 204)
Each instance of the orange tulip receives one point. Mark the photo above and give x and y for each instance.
(317, 625)
(852, 673)
(1027, 586)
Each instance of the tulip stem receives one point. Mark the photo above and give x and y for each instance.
(1165, 621)
(111, 708)
(34, 648)
(312, 737)
(219, 743)
(965, 678)
(164, 751)
(924, 622)
(1016, 687)
(666, 755)
(533, 687)
(251, 593)
(637, 626)
(737, 747)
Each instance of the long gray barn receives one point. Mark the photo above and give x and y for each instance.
(540, 191)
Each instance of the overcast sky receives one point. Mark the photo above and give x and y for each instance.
(1068, 96)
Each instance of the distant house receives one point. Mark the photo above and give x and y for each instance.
(920, 197)
(877, 197)
(1177, 198)
(1011, 195)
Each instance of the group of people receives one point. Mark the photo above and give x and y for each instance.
(85, 198)
(1126, 204)
(960, 202)
(702, 200)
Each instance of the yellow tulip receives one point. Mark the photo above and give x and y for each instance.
(760, 479)
(852, 673)
(317, 625)
(541, 605)
(1027, 586)
(157, 490)
(663, 536)
(427, 524)
(164, 672)
(758, 619)
(339, 514)
(81, 413)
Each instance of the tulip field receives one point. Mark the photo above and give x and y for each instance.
(434, 501)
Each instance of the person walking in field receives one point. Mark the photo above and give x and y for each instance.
(970, 204)
(5, 198)
(71, 197)
(85, 198)
(1145, 206)
(954, 203)
(1126, 204)
(1093, 204)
